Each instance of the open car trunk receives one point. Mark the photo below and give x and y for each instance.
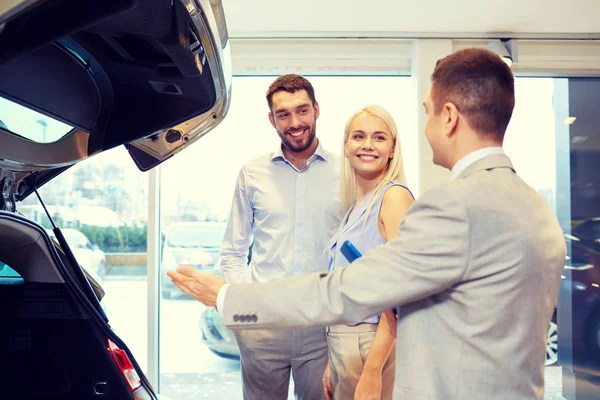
(153, 75)
(54, 344)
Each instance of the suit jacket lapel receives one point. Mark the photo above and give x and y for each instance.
(488, 163)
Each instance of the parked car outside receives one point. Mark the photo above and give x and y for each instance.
(215, 335)
(197, 244)
(89, 255)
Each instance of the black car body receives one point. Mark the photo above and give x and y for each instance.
(581, 282)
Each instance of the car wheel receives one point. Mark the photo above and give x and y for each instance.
(552, 344)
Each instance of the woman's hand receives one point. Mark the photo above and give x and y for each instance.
(369, 386)
(327, 389)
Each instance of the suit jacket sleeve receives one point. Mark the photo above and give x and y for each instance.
(430, 254)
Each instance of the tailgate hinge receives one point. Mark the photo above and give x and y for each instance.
(7, 193)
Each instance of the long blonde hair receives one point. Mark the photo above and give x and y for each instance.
(395, 170)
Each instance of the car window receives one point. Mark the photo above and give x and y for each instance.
(30, 124)
(589, 229)
(9, 276)
(8, 272)
(596, 229)
(187, 236)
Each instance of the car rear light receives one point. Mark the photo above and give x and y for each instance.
(125, 366)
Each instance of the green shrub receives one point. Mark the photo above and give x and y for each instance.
(123, 239)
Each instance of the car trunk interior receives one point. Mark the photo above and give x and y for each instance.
(116, 70)
(53, 343)
(140, 61)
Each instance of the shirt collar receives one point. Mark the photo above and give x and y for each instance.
(320, 153)
(472, 157)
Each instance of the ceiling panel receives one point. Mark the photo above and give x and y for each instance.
(400, 18)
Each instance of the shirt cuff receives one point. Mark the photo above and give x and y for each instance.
(221, 298)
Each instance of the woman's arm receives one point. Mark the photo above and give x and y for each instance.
(396, 202)
(385, 337)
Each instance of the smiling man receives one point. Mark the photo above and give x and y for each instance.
(287, 202)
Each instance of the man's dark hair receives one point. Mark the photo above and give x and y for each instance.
(481, 86)
(290, 83)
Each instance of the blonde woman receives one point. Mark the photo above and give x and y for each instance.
(374, 200)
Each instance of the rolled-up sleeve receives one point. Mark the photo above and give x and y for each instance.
(238, 235)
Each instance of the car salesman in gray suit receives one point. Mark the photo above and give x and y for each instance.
(475, 268)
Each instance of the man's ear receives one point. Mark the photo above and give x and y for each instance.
(317, 110)
(272, 119)
(450, 113)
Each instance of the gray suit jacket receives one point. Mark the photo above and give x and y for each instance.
(475, 270)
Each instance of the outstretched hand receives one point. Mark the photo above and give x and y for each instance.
(200, 285)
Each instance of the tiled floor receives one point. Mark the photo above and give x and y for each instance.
(227, 385)
(553, 384)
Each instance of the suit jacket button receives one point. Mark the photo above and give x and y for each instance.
(236, 318)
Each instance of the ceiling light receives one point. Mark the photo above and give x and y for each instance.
(506, 49)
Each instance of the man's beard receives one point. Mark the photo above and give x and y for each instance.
(295, 145)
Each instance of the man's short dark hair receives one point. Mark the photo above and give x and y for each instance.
(290, 83)
(481, 86)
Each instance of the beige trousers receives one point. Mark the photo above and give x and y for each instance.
(348, 347)
(270, 357)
